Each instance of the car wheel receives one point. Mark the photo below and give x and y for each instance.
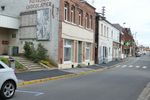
(8, 90)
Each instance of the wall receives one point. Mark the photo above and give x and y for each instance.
(105, 40)
(28, 30)
(3, 37)
(13, 7)
(76, 33)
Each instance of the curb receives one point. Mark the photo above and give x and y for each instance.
(64, 76)
(25, 83)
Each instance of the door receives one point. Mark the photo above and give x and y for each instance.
(79, 51)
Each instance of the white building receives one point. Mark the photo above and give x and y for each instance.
(105, 40)
(116, 51)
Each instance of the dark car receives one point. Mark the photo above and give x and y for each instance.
(137, 54)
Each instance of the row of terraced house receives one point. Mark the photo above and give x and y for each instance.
(71, 31)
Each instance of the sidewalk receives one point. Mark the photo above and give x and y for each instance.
(37, 75)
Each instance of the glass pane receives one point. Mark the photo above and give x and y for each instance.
(67, 54)
(87, 53)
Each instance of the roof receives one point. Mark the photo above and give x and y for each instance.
(83, 1)
(120, 28)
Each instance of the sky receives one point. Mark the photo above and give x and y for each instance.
(135, 13)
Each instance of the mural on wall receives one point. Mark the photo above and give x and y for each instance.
(43, 24)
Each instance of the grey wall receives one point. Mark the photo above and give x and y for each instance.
(13, 7)
(28, 31)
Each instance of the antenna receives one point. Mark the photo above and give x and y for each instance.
(103, 11)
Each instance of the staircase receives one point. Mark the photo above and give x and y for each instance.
(30, 65)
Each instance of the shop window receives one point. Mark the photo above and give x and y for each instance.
(67, 50)
(87, 51)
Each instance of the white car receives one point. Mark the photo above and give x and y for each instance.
(8, 81)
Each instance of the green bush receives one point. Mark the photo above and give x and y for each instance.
(18, 65)
(29, 49)
(35, 54)
(41, 53)
(5, 60)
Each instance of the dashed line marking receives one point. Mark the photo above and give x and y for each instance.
(144, 67)
(130, 66)
(137, 66)
(118, 66)
(124, 66)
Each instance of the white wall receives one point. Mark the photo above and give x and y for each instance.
(77, 33)
(9, 22)
(105, 39)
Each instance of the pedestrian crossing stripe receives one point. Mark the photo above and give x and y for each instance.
(144, 67)
(137, 66)
(131, 66)
(124, 66)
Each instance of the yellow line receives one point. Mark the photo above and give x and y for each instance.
(63, 76)
(57, 77)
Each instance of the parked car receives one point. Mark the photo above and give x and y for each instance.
(137, 54)
(8, 81)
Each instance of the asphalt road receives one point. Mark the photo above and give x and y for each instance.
(124, 82)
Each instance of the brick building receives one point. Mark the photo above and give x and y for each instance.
(76, 33)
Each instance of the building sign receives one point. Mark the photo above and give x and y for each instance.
(43, 24)
(38, 4)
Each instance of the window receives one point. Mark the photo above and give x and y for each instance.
(87, 21)
(66, 11)
(73, 14)
(13, 35)
(81, 17)
(87, 51)
(102, 29)
(107, 32)
(67, 50)
(112, 33)
(1, 67)
(91, 22)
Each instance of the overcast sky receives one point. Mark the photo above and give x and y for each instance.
(135, 13)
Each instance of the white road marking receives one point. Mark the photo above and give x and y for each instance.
(130, 66)
(137, 66)
(30, 92)
(144, 67)
(124, 66)
(118, 66)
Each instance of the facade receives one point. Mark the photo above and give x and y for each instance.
(116, 51)
(9, 25)
(104, 34)
(129, 43)
(39, 23)
(76, 34)
(122, 40)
